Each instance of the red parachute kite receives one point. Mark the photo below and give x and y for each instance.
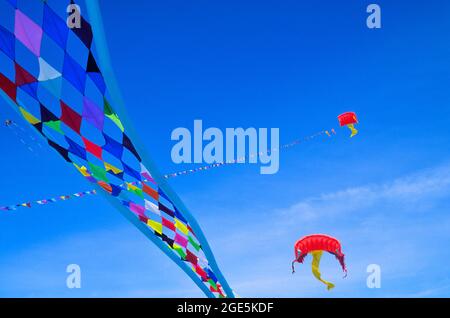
(349, 119)
(315, 245)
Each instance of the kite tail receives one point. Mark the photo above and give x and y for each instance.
(353, 130)
(299, 259)
(317, 255)
(341, 259)
(293, 267)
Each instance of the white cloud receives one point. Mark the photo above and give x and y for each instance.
(395, 224)
(391, 224)
(409, 190)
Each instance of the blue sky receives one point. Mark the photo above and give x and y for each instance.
(293, 65)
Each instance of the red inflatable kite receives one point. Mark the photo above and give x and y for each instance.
(349, 119)
(315, 245)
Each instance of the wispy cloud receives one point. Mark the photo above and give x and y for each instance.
(392, 224)
(409, 191)
(400, 224)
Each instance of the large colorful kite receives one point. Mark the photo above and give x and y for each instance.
(60, 80)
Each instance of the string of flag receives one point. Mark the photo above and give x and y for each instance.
(30, 204)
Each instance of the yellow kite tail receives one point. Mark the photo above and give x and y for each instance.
(317, 255)
(353, 129)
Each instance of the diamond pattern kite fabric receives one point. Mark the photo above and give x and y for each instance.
(50, 73)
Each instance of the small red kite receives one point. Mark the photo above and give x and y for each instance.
(349, 119)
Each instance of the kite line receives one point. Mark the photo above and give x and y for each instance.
(82, 194)
(25, 138)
